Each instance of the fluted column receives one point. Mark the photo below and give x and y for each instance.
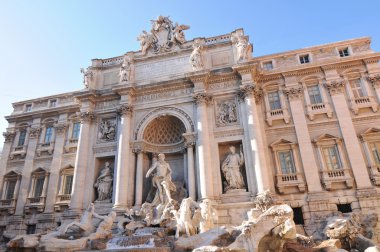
(359, 169)
(34, 133)
(51, 196)
(124, 165)
(139, 178)
(190, 142)
(81, 161)
(309, 162)
(255, 134)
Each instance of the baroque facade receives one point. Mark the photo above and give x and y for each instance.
(303, 124)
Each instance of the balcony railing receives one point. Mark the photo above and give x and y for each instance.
(18, 151)
(277, 114)
(290, 180)
(72, 143)
(363, 102)
(64, 197)
(329, 177)
(35, 200)
(45, 147)
(318, 108)
(9, 205)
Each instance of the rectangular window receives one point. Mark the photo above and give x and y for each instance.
(314, 94)
(68, 184)
(21, 138)
(48, 134)
(76, 130)
(344, 52)
(53, 103)
(28, 107)
(11, 186)
(268, 65)
(375, 148)
(357, 89)
(332, 159)
(38, 187)
(287, 162)
(274, 100)
(30, 229)
(304, 59)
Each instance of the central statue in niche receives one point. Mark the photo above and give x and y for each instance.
(161, 180)
(231, 170)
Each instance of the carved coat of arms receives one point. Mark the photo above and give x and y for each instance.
(163, 36)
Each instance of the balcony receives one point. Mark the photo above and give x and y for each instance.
(18, 151)
(45, 148)
(8, 205)
(374, 171)
(63, 201)
(37, 203)
(318, 108)
(277, 114)
(363, 102)
(71, 145)
(331, 177)
(286, 181)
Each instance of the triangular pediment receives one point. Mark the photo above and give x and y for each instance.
(371, 131)
(325, 137)
(281, 141)
(12, 174)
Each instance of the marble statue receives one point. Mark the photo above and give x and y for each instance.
(163, 36)
(243, 47)
(207, 213)
(162, 180)
(125, 69)
(196, 58)
(103, 183)
(227, 113)
(84, 225)
(87, 76)
(107, 130)
(231, 170)
(187, 217)
(264, 200)
(105, 226)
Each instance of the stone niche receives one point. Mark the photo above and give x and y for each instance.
(104, 180)
(228, 162)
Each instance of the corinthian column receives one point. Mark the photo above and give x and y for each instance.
(81, 161)
(125, 167)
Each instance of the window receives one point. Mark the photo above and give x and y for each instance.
(31, 229)
(28, 107)
(48, 134)
(53, 103)
(331, 156)
(11, 186)
(268, 65)
(38, 187)
(274, 100)
(375, 149)
(344, 208)
(76, 130)
(68, 184)
(314, 94)
(357, 89)
(21, 138)
(286, 162)
(304, 59)
(344, 52)
(298, 216)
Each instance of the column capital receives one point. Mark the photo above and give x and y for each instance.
(138, 147)
(374, 79)
(87, 116)
(293, 93)
(60, 128)
(125, 109)
(34, 132)
(248, 90)
(8, 136)
(190, 139)
(202, 98)
(335, 86)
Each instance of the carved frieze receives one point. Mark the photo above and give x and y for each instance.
(34, 132)
(226, 113)
(9, 136)
(87, 116)
(125, 109)
(202, 98)
(107, 129)
(293, 93)
(335, 86)
(163, 36)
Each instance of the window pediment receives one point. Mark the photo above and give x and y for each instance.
(326, 139)
(281, 144)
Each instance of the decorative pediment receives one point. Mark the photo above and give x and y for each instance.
(326, 138)
(39, 171)
(164, 36)
(12, 174)
(281, 142)
(371, 133)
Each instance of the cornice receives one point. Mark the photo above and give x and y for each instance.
(199, 76)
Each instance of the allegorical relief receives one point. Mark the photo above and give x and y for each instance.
(103, 183)
(107, 129)
(163, 36)
(232, 170)
(226, 113)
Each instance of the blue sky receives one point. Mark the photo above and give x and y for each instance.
(44, 43)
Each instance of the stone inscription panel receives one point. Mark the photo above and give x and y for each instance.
(163, 69)
(164, 95)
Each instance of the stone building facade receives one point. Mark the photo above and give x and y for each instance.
(304, 124)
